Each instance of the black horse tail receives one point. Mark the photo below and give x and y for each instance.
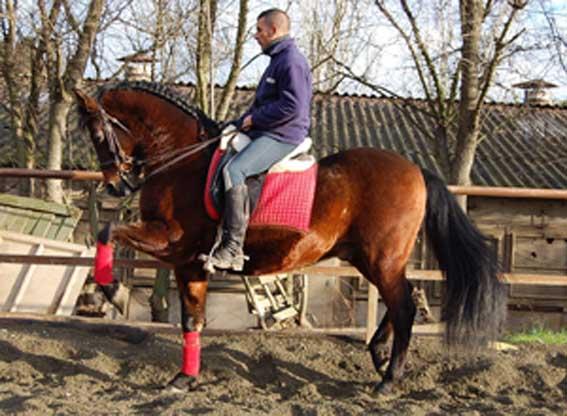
(474, 306)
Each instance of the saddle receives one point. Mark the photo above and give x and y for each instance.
(288, 184)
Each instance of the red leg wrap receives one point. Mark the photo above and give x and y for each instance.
(103, 264)
(191, 353)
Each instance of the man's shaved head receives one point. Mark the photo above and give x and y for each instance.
(277, 18)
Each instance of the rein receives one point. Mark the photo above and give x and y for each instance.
(174, 156)
(188, 151)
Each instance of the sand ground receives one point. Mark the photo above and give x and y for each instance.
(56, 368)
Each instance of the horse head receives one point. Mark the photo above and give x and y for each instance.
(144, 128)
(114, 145)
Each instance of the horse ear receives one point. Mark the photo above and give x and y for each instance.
(86, 102)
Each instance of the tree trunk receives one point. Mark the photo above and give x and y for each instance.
(469, 114)
(57, 133)
(207, 14)
(11, 51)
(230, 87)
(60, 92)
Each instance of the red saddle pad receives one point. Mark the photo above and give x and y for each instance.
(286, 198)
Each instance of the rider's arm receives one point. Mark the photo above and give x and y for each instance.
(293, 86)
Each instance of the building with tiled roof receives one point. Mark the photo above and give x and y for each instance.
(522, 146)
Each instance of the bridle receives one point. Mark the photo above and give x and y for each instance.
(120, 159)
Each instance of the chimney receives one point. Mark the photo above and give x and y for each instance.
(137, 66)
(536, 92)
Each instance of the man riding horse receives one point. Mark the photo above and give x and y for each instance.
(277, 122)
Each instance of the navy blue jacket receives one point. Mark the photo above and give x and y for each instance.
(281, 108)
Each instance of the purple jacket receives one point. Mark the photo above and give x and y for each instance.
(281, 108)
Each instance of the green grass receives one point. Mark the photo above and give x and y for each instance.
(538, 336)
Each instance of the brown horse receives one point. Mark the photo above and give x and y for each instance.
(368, 209)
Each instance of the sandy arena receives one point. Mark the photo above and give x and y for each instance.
(63, 368)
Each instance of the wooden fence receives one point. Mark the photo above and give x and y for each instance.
(346, 271)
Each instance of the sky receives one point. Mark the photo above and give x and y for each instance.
(389, 66)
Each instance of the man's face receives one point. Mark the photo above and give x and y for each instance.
(265, 33)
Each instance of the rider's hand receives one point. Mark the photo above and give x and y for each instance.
(225, 124)
(246, 123)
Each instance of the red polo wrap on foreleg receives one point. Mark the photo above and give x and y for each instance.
(103, 264)
(191, 353)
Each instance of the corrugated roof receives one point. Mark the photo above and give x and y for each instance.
(522, 146)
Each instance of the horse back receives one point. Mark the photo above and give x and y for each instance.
(363, 197)
(365, 192)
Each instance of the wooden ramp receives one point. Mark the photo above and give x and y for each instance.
(44, 289)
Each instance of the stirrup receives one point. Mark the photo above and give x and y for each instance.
(236, 263)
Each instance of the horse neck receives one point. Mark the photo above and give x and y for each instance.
(175, 144)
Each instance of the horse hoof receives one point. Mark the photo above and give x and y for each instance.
(384, 388)
(117, 294)
(181, 383)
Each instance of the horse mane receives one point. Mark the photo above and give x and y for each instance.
(171, 96)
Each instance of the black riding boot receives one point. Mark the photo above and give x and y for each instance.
(229, 254)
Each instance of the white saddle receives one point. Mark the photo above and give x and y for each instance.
(238, 141)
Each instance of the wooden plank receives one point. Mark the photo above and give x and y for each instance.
(29, 239)
(40, 288)
(371, 312)
(19, 289)
(3, 216)
(42, 225)
(69, 289)
(74, 175)
(65, 229)
(431, 275)
(7, 217)
(509, 192)
(21, 202)
(504, 192)
(31, 219)
(17, 221)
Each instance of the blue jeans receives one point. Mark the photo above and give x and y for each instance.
(259, 156)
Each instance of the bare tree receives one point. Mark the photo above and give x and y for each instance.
(455, 82)
(204, 69)
(235, 67)
(228, 53)
(333, 31)
(22, 68)
(166, 31)
(65, 72)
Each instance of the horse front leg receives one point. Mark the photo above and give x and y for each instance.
(192, 284)
(152, 237)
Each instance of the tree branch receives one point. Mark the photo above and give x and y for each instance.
(414, 55)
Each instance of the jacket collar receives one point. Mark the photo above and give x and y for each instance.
(278, 45)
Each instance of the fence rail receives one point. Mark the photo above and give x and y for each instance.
(431, 275)
(502, 192)
(345, 271)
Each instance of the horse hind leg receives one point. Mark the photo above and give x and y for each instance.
(379, 339)
(396, 293)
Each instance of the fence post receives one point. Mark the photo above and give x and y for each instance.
(372, 312)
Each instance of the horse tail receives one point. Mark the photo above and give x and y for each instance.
(474, 306)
